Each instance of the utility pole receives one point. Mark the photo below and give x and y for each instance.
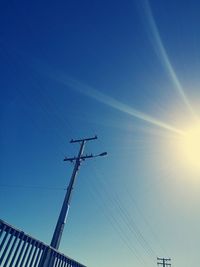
(55, 242)
(164, 262)
(47, 261)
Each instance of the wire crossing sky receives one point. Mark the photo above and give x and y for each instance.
(128, 72)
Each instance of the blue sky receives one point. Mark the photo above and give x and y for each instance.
(127, 71)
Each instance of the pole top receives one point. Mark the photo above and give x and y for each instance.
(166, 259)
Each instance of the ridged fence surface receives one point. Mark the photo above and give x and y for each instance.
(18, 249)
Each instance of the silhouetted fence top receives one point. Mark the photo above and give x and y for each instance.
(18, 249)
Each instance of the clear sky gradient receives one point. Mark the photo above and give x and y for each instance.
(127, 71)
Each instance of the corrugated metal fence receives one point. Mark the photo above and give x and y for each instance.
(18, 249)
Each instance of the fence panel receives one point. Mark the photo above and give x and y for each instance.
(18, 249)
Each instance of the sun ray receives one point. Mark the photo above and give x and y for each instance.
(160, 49)
(103, 98)
(109, 101)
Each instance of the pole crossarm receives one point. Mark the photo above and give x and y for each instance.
(85, 157)
(84, 139)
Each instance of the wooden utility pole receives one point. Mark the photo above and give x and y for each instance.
(48, 260)
(55, 242)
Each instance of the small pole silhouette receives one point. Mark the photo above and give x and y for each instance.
(164, 262)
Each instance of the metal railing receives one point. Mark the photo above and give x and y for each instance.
(18, 249)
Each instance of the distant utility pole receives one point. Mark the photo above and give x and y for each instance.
(55, 242)
(164, 262)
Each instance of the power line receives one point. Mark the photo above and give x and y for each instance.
(31, 187)
(122, 221)
(124, 216)
(148, 226)
(114, 222)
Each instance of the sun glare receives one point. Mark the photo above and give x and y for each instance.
(189, 147)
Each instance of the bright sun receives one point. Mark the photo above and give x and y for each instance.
(189, 147)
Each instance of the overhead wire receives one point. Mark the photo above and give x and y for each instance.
(131, 224)
(135, 230)
(114, 222)
(120, 217)
(148, 226)
(31, 187)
